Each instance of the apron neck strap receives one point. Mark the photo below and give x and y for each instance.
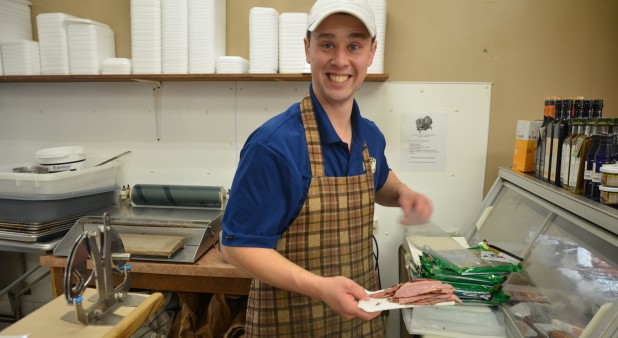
(312, 135)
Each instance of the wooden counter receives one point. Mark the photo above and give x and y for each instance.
(47, 322)
(210, 274)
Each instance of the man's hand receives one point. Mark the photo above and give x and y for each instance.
(342, 295)
(417, 208)
(339, 293)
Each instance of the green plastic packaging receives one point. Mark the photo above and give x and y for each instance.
(482, 259)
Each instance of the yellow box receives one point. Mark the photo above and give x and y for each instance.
(526, 136)
(523, 156)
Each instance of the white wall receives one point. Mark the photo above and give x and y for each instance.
(203, 126)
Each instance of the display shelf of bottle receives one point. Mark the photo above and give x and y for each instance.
(171, 77)
(598, 213)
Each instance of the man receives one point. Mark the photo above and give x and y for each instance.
(300, 214)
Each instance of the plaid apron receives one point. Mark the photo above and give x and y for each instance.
(330, 237)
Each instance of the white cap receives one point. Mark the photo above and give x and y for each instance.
(359, 8)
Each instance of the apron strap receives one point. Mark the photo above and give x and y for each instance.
(312, 135)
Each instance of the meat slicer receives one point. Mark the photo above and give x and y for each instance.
(106, 252)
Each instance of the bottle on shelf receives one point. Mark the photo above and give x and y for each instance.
(561, 125)
(567, 145)
(573, 153)
(605, 154)
(589, 166)
(587, 108)
(581, 145)
(597, 108)
(598, 127)
(613, 126)
(549, 166)
(539, 153)
(613, 130)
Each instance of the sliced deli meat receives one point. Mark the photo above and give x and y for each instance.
(421, 287)
(419, 292)
(428, 299)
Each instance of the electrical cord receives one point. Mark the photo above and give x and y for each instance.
(376, 255)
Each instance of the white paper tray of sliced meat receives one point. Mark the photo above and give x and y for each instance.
(420, 292)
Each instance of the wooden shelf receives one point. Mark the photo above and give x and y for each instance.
(171, 77)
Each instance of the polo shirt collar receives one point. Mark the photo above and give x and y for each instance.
(328, 135)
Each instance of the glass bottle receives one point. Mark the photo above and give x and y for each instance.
(549, 169)
(561, 125)
(597, 108)
(613, 130)
(605, 154)
(539, 153)
(604, 125)
(587, 108)
(581, 145)
(567, 146)
(589, 171)
(601, 127)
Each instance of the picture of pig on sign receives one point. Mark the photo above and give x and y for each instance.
(423, 123)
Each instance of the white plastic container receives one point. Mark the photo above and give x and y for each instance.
(41, 198)
(24, 185)
(62, 158)
(609, 175)
(609, 195)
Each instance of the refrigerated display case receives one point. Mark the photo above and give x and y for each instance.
(569, 284)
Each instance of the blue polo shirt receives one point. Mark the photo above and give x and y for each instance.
(273, 175)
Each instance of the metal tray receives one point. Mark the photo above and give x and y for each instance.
(49, 208)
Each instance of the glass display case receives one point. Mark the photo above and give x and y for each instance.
(569, 284)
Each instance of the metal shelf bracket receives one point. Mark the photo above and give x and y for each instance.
(156, 95)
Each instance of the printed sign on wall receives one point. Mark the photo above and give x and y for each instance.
(423, 140)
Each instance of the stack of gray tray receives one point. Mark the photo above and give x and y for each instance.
(38, 223)
(37, 209)
(35, 232)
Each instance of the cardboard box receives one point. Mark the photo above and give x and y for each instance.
(526, 136)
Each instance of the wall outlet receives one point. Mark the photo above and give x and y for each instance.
(375, 223)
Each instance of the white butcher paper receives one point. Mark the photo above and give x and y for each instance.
(382, 304)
